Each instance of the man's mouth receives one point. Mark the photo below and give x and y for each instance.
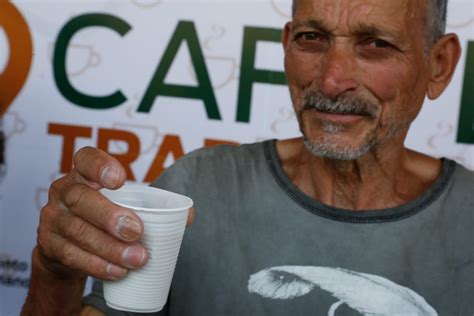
(339, 117)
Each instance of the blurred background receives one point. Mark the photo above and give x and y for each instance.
(148, 81)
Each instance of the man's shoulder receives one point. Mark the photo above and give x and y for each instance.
(221, 154)
(220, 159)
(464, 175)
(462, 182)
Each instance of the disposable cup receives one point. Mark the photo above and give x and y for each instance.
(164, 215)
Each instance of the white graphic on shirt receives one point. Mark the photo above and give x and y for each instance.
(368, 294)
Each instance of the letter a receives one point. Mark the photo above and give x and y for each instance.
(185, 31)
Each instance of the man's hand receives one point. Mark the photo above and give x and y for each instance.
(81, 233)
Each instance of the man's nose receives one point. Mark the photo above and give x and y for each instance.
(338, 72)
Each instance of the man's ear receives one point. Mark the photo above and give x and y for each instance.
(444, 58)
(285, 35)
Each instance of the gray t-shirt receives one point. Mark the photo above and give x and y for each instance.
(260, 246)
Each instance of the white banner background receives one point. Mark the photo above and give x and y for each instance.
(100, 61)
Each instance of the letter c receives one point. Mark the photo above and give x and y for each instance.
(59, 60)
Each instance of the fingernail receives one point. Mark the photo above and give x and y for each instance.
(133, 256)
(128, 228)
(115, 271)
(110, 176)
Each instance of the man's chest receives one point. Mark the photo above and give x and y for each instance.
(306, 266)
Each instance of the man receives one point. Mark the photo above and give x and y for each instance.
(344, 220)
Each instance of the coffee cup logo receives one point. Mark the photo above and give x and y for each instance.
(21, 51)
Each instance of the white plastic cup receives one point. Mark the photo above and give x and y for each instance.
(164, 215)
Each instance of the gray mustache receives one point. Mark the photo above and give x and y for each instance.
(342, 105)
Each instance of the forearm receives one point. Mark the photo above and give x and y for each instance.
(50, 294)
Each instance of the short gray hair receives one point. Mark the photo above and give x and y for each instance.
(436, 19)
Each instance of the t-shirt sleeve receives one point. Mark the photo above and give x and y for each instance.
(96, 299)
(176, 178)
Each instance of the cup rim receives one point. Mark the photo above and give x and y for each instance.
(107, 193)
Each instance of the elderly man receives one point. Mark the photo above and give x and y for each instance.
(344, 220)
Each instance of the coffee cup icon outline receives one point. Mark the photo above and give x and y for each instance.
(286, 115)
(228, 63)
(93, 59)
(218, 61)
(445, 129)
(149, 3)
(85, 53)
(219, 32)
(155, 136)
(13, 124)
(280, 11)
(460, 153)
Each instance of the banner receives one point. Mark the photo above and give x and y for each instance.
(148, 81)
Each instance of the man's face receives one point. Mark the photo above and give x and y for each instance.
(357, 72)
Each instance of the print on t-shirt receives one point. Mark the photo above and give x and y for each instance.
(368, 294)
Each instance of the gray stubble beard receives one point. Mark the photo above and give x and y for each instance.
(324, 146)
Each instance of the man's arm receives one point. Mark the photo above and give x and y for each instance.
(58, 291)
(52, 294)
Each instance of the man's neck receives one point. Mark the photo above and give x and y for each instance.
(381, 179)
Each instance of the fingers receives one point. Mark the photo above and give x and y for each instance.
(70, 243)
(99, 243)
(69, 255)
(96, 209)
(191, 216)
(98, 167)
(82, 231)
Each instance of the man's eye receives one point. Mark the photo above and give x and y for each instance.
(311, 41)
(378, 43)
(376, 48)
(308, 36)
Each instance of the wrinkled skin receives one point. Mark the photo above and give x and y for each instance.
(374, 52)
